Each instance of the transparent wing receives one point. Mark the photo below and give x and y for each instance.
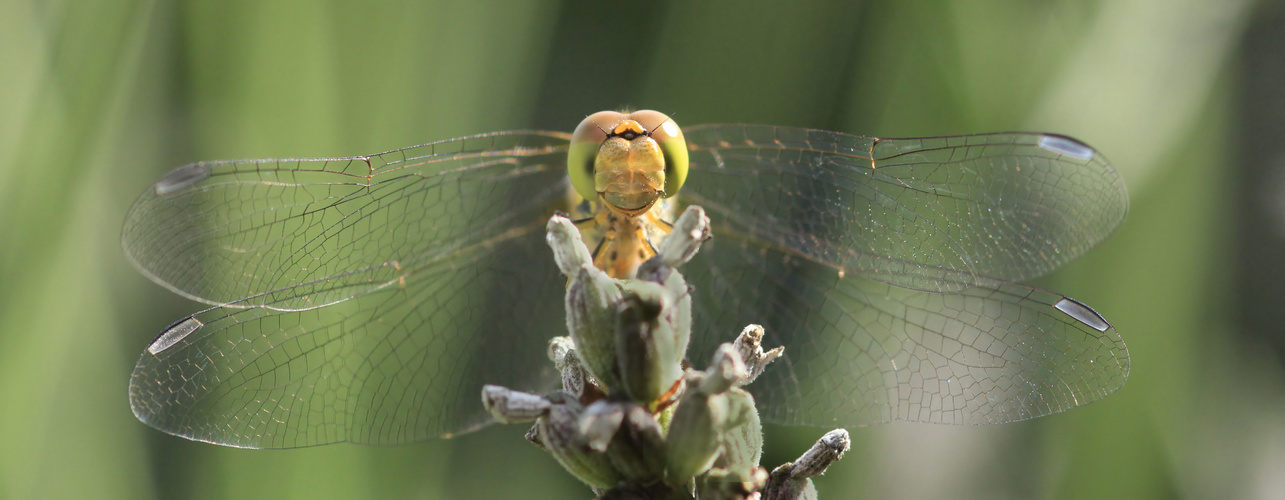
(297, 234)
(885, 266)
(860, 352)
(937, 214)
(432, 265)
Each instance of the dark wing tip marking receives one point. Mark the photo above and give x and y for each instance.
(181, 178)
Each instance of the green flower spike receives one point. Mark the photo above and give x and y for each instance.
(631, 422)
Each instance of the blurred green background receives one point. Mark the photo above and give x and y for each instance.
(1187, 97)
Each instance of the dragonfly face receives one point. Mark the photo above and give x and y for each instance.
(627, 160)
(368, 299)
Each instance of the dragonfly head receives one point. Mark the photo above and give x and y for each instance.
(627, 160)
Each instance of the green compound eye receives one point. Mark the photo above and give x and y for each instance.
(666, 133)
(675, 149)
(585, 143)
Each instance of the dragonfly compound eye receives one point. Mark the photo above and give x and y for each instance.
(585, 142)
(665, 131)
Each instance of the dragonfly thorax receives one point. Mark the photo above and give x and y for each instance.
(621, 242)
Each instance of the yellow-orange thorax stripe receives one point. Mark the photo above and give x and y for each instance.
(619, 242)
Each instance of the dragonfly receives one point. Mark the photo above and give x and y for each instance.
(368, 299)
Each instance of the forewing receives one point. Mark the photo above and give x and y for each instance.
(297, 234)
(937, 214)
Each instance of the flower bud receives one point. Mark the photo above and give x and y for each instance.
(792, 481)
(739, 483)
(509, 406)
(560, 433)
(742, 444)
(637, 450)
(591, 302)
(750, 346)
(705, 414)
(646, 350)
(575, 377)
